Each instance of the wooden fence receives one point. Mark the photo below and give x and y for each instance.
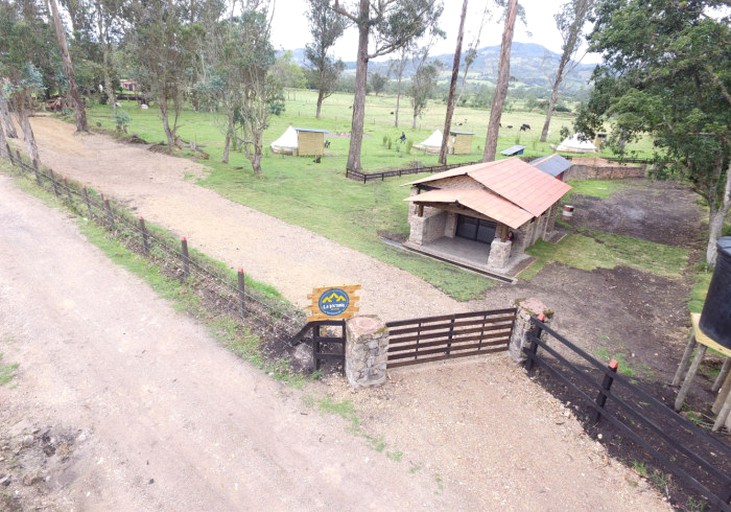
(681, 448)
(225, 291)
(424, 340)
(416, 168)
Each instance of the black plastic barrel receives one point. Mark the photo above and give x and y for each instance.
(716, 316)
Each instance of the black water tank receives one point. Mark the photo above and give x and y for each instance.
(716, 316)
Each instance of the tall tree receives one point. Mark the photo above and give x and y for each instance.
(666, 72)
(24, 41)
(68, 69)
(421, 88)
(326, 28)
(393, 24)
(453, 87)
(159, 46)
(570, 21)
(241, 78)
(471, 53)
(503, 79)
(397, 67)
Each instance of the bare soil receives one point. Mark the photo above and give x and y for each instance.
(473, 435)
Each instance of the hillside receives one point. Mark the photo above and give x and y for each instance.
(531, 65)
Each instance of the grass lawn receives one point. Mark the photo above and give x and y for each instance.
(318, 196)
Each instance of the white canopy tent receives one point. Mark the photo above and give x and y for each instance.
(286, 144)
(574, 144)
(432, 144)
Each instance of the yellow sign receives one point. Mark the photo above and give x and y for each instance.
(333, 303)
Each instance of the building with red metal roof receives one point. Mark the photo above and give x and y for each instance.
(505, 205)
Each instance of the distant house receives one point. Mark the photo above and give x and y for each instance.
(487, 213)
(554, 165)
(129, 85)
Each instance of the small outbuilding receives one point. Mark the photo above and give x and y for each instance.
(554, 165)
(460, 143)
(513, 150)
(486, 214)
(300, 142)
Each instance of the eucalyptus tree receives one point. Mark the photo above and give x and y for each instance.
(326, 27)
(246, 89)
(68, 68)
(25, 37)
(666, 73)
(501, 88)
(396, 67)
(570, 21)
(160, 46)
(453, 86)
(390, 24)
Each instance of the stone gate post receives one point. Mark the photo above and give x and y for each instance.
(366, 347)
(519, 337)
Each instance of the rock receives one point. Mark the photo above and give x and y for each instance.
(32, 478)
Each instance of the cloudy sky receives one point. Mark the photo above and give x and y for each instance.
(290, 29)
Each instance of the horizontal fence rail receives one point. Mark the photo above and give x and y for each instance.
(224, 290)
(677, 445)
(416, 168)
(423, 340)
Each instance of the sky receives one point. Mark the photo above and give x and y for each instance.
(290, 29)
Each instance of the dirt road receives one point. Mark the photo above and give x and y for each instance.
(150, 413)
(272, 251)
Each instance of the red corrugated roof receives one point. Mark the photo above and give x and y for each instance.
(512, 179)
(481, 201)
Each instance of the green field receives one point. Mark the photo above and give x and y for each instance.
(318, 196)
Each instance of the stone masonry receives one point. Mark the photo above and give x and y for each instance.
(366, 346)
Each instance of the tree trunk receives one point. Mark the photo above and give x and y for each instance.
(501, 90)
(551, 105)
(68, 69)
(716, 220)
(4, 151)
(452, 87)
(398, 101)
(166, 122)
(108, 88)
(320, 98)
(361, 76)
(6, 120)
(230, 133)
(30, 140)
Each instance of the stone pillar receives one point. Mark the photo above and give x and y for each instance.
(366, 345)
(499, 253)
(519, 337)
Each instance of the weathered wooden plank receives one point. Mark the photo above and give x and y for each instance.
(436, 335)
(505, 320)
(454, 348)
(449, 317)
(442, 358)
(428, 344)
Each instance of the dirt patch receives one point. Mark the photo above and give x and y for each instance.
(658, 211)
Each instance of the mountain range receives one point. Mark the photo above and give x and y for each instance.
(531, 65)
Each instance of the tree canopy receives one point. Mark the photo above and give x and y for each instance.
(666, 72)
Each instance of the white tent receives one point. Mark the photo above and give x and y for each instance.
(574, 144)
(432, 144)
(286, 144)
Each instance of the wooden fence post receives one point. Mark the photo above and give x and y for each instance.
(241, 292)
(88, 203)
(53, 179)
(186, 257)
(110, 214)
(143, 230)
(68, 190)
(35, 170)
(601, 398)
(533, 349)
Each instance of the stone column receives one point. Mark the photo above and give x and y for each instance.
(499, 253)
(366, 345)
(519, 338)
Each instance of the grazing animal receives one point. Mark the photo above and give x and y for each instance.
(510, 126)
(402, 139)
(317, 160)
(524, 127)
(327, 144)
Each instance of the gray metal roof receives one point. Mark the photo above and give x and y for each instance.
(552, 164)
(513, 150)
(315, 130)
